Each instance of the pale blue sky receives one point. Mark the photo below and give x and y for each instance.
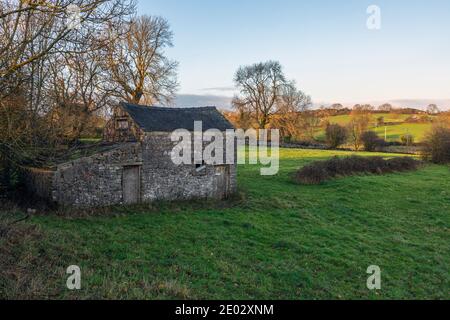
(323, 44)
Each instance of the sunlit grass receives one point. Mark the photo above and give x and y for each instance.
(393, 131)
(278, 241)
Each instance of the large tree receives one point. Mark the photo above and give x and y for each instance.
(292, 116)
(138, 64)
(79, 87)
(32, 30)
(385, 107)
(433, 109)
(38, 38)
(261, 87)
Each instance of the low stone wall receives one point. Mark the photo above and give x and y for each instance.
(416, 150)
(315, 146)
(94, 181)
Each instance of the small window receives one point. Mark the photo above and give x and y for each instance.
(122, 124)
(200, 168)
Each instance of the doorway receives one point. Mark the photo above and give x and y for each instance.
(131, 184)
(222, 181)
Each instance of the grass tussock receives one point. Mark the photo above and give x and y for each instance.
(25, 268)
(321, 171)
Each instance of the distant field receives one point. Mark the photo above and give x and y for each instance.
(278, 241)
(388, 117)
(394, 132)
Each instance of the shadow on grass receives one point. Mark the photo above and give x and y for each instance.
(28, 207)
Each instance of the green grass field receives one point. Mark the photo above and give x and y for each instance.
(394, 132)
(277, 241)
(388, 117)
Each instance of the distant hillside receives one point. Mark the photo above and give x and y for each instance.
(396, 125)
(224, 102)
(443, 104)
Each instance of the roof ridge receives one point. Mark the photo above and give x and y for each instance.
(168, 119)
(167, 108)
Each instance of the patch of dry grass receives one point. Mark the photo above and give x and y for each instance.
(26, 270)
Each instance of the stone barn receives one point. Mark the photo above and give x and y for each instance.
(133, 164)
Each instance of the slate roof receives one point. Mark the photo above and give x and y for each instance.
(159, 119)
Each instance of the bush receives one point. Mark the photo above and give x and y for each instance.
(321, 171)
(380, 121)
(437, 146)
(407, 139)
(402, 164)
(312, 174)
(336, 135)
(371, 141)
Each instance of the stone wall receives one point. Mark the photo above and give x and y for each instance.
(94, 181)
(112, 133)
(163, 180)
(97, 180)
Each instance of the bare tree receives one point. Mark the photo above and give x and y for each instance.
(79, 87)
(359, 121)
(23, 24)
(310, 122)
(261, 86)
(293, 100)
(292, 112)
(433, 109)
(337, 106)
(138, 64)
(243, 118)
(386, 107)
(37, 38)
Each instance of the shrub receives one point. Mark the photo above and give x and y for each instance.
(336, 135)
(321, 171)
(402, 164)
(407, 139)
(356, 127)
(380, 121)
(371, 141)
(437, 145)
(312, 174)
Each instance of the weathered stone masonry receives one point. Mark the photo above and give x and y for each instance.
(105, 178)
(162, 179)
(96, 180)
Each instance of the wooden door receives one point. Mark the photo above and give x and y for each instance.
(131, 184)
(222, 181)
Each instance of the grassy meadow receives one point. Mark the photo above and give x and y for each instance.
(396, 128)
(276, 240)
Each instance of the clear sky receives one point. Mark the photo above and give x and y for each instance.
(324, 45)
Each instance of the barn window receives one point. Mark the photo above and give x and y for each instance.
(200, 168)
(122, 124)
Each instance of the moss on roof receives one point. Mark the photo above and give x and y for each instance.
(81, 151)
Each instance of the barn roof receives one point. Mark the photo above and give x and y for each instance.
(169, 119)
